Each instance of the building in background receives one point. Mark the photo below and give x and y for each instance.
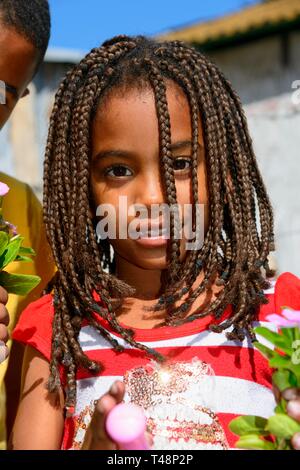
(258, 49)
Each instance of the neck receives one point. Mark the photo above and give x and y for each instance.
(146, 282)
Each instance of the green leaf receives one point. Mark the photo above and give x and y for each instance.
(282, 379)
(279, 409)
(253, 441)
(293, 380)
(26, 251)
(24, 259)
(283, 406)
(248, 425)
(279, 361)
(3, 242)
(19, 284)
(295, 368)
(282, 426)
(288, 333)
(278, 340)
(11, 251)
(267, 352)
(276, 360)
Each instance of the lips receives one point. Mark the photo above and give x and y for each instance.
(153, 230)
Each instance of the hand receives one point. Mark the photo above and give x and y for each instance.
(96, 437)
(292, 396)
(4, 321)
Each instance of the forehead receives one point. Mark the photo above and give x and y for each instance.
(130, 117)
(18, 58)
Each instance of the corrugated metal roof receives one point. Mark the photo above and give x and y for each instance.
(258, 16)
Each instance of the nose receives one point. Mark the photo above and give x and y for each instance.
(150, 189)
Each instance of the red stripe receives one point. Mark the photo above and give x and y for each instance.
(69, 428)
(168, 332)
(229, 361)
(225, 419)
(267, 309)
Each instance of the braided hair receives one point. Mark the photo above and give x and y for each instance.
(240, 233)
(31, 19)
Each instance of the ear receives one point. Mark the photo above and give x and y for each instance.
(25, 93)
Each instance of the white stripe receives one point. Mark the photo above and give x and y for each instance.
(91, 340)
(243, 397)
(227, 395)
(92, 389)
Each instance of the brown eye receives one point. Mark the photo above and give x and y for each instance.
(118, 171)
(182, 164)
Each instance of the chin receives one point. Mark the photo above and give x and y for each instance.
(156, 264)
(151, 260)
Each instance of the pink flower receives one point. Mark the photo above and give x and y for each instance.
(288, 319)
(3, 189)
(13, 228)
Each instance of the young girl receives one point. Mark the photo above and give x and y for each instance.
(145, 319)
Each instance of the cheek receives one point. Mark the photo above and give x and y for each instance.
(104, 194)
(100, 195)
(184, 191)
(109, 206)
(202, 185)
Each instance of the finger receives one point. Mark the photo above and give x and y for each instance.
(291, 393)
(3, 333)
(293, 409)
(100, 438)
(4, 316)
(103, 407)
(296, 441)
(4, 352)
(117, 391)
(3, 296)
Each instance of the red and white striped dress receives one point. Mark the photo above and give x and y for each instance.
(207, 381)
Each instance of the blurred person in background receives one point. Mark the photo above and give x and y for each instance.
(24, 38)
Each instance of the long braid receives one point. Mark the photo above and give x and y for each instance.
(209, 122)
(247, 211)
(159, 88)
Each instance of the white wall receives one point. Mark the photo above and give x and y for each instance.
(264, 83)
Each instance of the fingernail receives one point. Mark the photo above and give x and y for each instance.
(296, 441)
(293, 407)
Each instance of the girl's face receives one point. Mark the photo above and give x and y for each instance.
(126, 162)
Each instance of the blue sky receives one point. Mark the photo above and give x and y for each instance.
(83, 24)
